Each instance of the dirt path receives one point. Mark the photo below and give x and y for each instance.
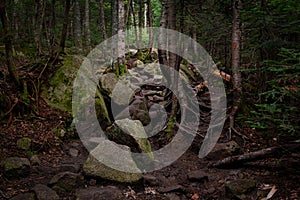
(187, 178)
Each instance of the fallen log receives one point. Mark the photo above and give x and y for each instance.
(235, 161)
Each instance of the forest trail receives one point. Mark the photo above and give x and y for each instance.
(187, 178)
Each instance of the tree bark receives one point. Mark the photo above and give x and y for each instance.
(87, 31)
(121, 35)
(65, 25)
(52, 26)
(150, 21)
(77, 24)
(102, 19)
(114, 15)
(39, 19)
(134, 22)
(8, 44)
(162, 54)
(236, 74)
(140, 16)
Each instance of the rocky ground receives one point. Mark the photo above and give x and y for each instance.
(55, 171)
(42, 157)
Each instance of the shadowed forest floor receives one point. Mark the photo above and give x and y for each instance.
(187, 178)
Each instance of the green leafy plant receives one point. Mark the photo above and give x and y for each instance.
(276, 108)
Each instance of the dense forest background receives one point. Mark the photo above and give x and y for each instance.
(255, 45)
(35, 34)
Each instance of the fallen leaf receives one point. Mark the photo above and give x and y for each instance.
(195, 196)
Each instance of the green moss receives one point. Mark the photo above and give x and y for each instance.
(24, 143)
(59, 92)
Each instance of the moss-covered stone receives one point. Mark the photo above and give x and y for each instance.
(59, 93)
(92, 166)
(24, 143)
(15, 167)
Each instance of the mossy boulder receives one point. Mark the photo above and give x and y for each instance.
(94, 168)
(130, 133)
(15, 167)
(59, 91)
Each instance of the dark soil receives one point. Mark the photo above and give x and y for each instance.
(171, 182)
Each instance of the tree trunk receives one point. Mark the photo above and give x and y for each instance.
(236, 74)
(162, 54)
(52, 26)
(77, 24)
(174, 60)
(134, 22)
(102, 19)
(87, 31)
(140, 16)
(121, 35)
(114, 9)
(150, 21)
(65, 25)
(39, 19)
(15, 22)
(8, 44)
(127, 13)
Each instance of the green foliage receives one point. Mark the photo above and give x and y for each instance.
(24, 143)
(170, 127)
(277, 106)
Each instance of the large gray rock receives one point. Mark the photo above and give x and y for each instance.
(16, 167)
(99, 193)
(67, 181)
(138, 111)
(92, 166)
(44, 193)
(108, 82)
(130, 133)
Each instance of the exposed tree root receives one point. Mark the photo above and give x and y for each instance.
(236, 161)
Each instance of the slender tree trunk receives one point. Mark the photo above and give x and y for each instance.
(39, 19)
(114, 10)
(174, 61)
(77, 24)
(15, 24)
(102, 19)
(65, 25)
(8, 44)
(134, 22)
(162, 54)
(52, 26)
(121, 35)
(140, 16)
(145, 14)
(150, 21)
(236, 74)
(87, 31)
